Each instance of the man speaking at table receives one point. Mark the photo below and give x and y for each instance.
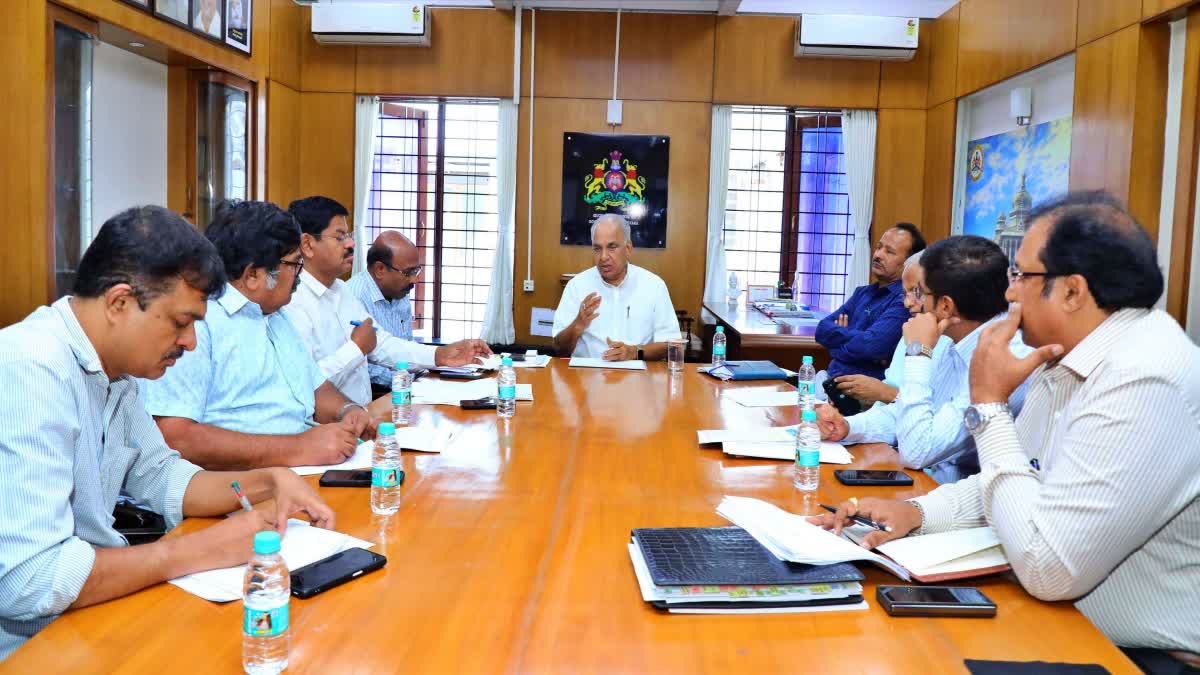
(615, 310)
(75, 433)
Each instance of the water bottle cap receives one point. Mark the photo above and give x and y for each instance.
(720, 329)
(402, 365)
(807, 416)
(266, 543)
(807, 360)
(387, 429)
(506, 361)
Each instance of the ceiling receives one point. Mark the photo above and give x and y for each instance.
(925, 9)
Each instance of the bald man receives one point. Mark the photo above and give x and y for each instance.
(393, 266)
(614, 310)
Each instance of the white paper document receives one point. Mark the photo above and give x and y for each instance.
(302, 544)
(791, 537)
(420, 439)
(493, 362)
(443, 392)
(831, 453)
(582, 362)
(752, 434)
(762, 397)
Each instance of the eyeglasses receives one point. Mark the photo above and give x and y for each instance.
(917, 293)
(299, 264)
(339, 238)
(411, 272)
(1015, 274)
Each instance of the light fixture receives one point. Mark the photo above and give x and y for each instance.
(1021, 105)
(137, 45)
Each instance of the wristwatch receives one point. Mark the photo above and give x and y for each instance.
(976, 417)
(641, 356)
(915, 348)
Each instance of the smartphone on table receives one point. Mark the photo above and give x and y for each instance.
(935, 601)
(872, 477)
(334, 571)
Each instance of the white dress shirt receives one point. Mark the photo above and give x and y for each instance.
(1094, 491)
(637, 312)
(322, 316)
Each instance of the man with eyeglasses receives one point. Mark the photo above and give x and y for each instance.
(250, 395)
(326, 310)
(1094, 491)
(962, 292)
(393, 267)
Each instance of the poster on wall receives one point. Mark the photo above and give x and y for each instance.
(622, 174)
(237, 23)
(206, 18)
(172, 10)
(1008, 173)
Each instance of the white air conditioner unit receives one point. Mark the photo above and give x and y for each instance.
(844, 36)
(371, 23)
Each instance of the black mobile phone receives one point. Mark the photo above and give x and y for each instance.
(349, 478)
(461, 375)
(868, 477)
(516, 357)
(935, 601)
(334, 571)
(488, 403)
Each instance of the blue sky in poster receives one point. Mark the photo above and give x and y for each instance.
(1042, 152)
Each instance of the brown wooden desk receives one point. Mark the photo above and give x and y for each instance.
(508, 556)
(753, 335)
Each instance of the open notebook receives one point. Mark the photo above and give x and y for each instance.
(945, 556)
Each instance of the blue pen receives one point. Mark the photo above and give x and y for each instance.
(356, 324)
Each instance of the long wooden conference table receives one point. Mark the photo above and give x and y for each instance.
(508, 555)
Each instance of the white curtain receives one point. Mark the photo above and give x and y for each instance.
(858, 140)
(498, 325)
(715, 276)
(366, 128)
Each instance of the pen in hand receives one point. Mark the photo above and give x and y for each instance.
(241, 496)
(859, 519)
(356, 324)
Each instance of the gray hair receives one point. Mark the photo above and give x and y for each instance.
(913, 259)
(613, 217)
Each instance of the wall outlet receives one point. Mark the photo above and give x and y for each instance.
(528, 287)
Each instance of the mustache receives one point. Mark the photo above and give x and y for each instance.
(349, 253)
(174, 355)
(876, 261)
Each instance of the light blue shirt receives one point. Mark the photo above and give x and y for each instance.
(894, 374)
(393, 316)
(70, 442)
(925, 422)
(250, 373)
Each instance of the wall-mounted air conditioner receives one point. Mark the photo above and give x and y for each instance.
(845, 36)
(371, 23)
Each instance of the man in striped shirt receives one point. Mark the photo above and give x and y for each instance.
(1094, 491)
(393, 266)
(74, 433)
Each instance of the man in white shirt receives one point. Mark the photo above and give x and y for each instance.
(615, 310)
(324, 310)
(1094, 491)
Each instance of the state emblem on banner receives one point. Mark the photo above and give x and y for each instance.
(614, 183)
(975, 163)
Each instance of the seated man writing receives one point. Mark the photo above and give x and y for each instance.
(861, 334)
(250, 395)
(76, 434)
(393, 266)
(1094, 491)
(966, 280)
(616, 310)
(324, 307)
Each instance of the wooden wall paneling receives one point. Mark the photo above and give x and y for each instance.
(323, 68)
(755, 64)
(286, 18)
(905, 84)
(1185, 176)
(327, 146)
(177, 138)
(1153, 8)
(471, 55)
(680, 264)
(940, 124)
(574, 53)
(899, 169)
(665, 57)
(283, 152)
(943, 57)
(1001, 38)
(1149, 118)
(1098, 18)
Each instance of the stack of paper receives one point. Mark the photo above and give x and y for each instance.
(493, 362)
(581, 362)
(932, 558)
(769, 443)
(442, 392)
(792, 538)
(421, 439)
(762, 397)
(302, 544)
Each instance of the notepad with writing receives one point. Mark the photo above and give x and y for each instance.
(944, 556)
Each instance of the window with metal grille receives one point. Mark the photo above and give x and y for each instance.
(434, 180)
(787, 209)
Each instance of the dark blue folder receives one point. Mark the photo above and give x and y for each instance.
(749, 370)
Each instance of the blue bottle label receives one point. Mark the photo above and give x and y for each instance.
(508, 392)
(385, 477)
(401, 397)
(718, 350)
(265, 622)
(805, 387)
(807, 458)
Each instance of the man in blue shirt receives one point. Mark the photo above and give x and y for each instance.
(74, 434)
(393, 267)
(251, 395)
(861, 334)
(966, 278)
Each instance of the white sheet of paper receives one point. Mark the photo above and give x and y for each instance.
(831, 453)
(361, 459)
(443, 392)
(584, 362)
(302, 544)
(762, 397)
(945, 552)
(753, 434)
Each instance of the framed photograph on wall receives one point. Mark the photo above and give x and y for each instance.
(239, 15)
(175, 11)
(207, 19)
(140, 4)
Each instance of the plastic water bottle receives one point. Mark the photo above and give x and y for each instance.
(808, 452)
(265, 593)
(719, 347)
(402, 395)
(796, 285)
(385, 471)
(806, 385)
(506, 402)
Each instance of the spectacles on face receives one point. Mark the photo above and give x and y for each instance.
(411, 272)
(299, 264)
(917, 293)
(1015, 274)
(341, 237)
